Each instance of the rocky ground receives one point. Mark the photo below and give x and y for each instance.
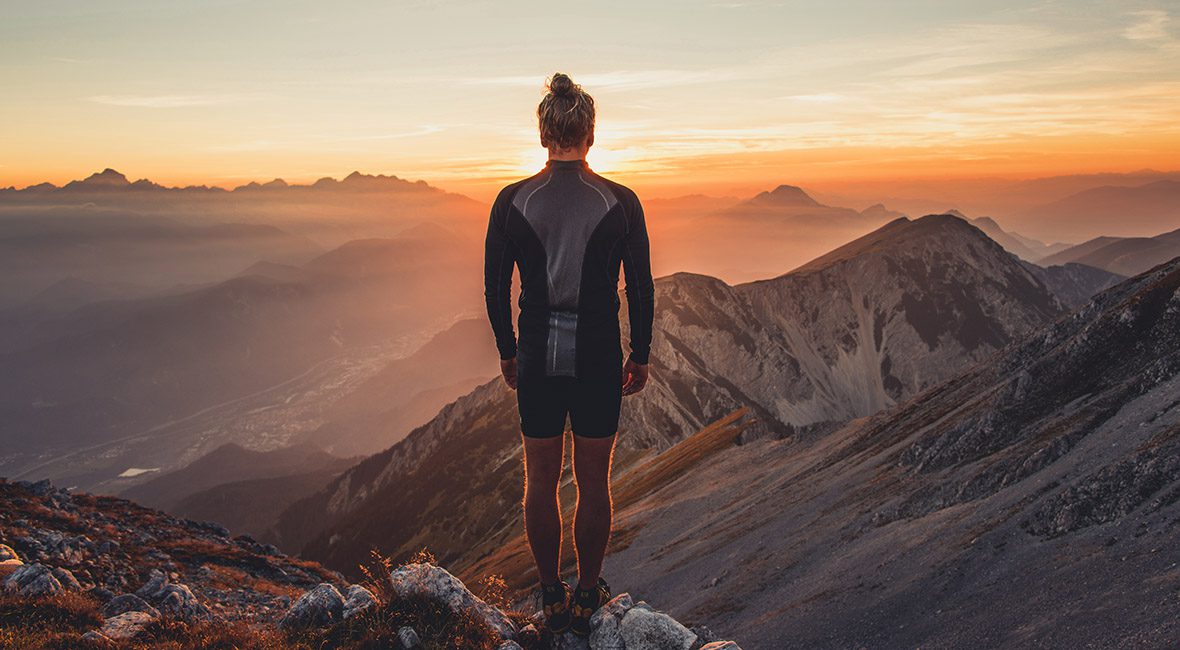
(82, 571)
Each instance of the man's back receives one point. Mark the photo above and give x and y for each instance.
(569, 230)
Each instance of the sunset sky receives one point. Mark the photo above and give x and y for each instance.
(723, 97)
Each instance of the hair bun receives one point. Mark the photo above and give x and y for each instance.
(561, 85)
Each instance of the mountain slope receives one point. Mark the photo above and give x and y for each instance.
(408, 392)
(229, 463)
(1074, 284)
(1032, 501)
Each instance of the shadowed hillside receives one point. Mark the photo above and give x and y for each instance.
(1028, 502)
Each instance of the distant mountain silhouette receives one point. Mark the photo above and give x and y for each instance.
(1123, 255)
(110, 179)
(229, 463)
(784, 196)
(1023, 247)
(758, 237)
(1112, 210)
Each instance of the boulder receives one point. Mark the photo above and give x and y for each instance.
(33, 580)
(67, 579)
(124, 603)
(605, 624)
(509, 645)
(570, 641)
(318, 607)
(356, 600)
(721, 645)
(179, 601)
(407, 638)
(437, 584)
(154, 584)
(126, 626)
(644, 629)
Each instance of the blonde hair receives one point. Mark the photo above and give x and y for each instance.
(566, 113)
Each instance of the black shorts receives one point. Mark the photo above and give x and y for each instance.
(592, 405)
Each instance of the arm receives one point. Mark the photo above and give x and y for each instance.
(499, 258)
(640, 288)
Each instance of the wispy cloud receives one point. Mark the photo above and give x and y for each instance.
(1152, 25)
(170, 101)
(619, 79)
(322, 142)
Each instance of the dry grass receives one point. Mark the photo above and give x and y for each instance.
(227, 577)
(34, 623)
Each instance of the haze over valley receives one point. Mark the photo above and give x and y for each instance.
(312, 366)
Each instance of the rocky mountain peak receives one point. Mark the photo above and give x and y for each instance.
(107, 178)
(785, 196)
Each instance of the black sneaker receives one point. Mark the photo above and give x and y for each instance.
(555, 601)
(585, 603)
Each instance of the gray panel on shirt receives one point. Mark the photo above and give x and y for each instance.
(563, 207)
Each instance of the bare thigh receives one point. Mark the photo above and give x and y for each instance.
(542, 461)
(592, 460)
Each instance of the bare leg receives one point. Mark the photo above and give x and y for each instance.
(592, 519)
(542, 519)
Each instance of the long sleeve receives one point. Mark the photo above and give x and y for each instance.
(499, 258)
(640, 287)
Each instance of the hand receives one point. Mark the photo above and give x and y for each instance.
(634, 376)
(508, 369)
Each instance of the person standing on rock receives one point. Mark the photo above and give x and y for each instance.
(568, 230)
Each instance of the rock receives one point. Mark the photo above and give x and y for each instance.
(179, 601)
(605, 623)
(94, 637)
(721, 645)
(154, 584)
(407, 638)
(704, 634)
(607, 634)
(124, 603)
(318, 607)
(102, 594)
(644, 629)
(67, 579)
(40, 488)
(126, 626)
(570, 641)
(33, 580)
(509, 645)
(6, 553)
(437, 584)
(357, 600)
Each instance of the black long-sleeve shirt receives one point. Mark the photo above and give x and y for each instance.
(568, 230)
